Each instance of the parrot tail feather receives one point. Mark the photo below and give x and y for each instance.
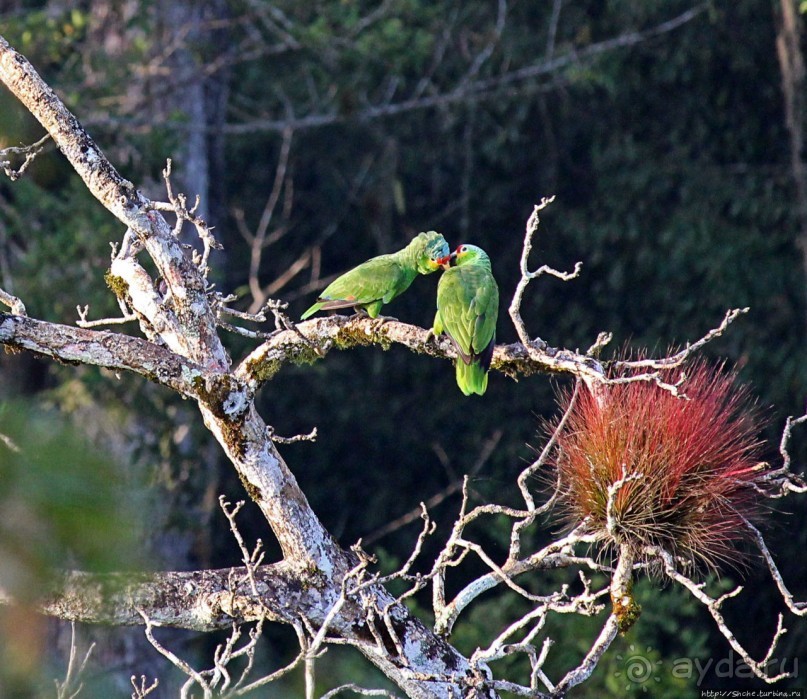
(471, 378)
(311, 311)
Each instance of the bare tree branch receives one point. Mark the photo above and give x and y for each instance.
(327, 594)
(713, 605)
(30, 153)
(181, 317)
(71, 686)
(17, 307)
(478, 90)
(142, 690)
(107, 350)
(798, 608)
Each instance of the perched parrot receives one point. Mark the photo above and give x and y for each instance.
(379, 280)
(467, 309)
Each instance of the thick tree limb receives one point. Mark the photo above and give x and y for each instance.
(315, 338)
(105, 349)
(422, 664)
(198, 340)
(216, 599)
(205, 600)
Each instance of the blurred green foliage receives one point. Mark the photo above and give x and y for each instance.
(64, 503)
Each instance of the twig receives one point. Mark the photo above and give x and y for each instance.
(251, 560)
(30, 152)
(713, 606)
(556, 554)
(529, 472)
(583, 671)
(679, 358)
(141, 690)
(71, 687)
(310, 437)
(82, 322)
(17, 307)
(193, 675)
(783, 478)
(179, 206)
(277, 674)
(798, 608)
(656, 378)
(527, 276)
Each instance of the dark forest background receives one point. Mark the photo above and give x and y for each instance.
(660, 127)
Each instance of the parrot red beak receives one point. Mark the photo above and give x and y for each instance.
(444, 262)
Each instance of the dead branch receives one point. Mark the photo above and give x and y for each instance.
(679, 358)
(178, 205)
(713, 606)
(30, 153)
(17, 307)
(82, 321)
(142, 690)
(72, 685)
(519, 81)
(527, 276)
(798, 608)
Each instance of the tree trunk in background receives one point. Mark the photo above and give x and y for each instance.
(193, 102)
(791, 64)
(195, 97)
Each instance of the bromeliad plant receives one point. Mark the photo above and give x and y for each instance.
(670, 479)
(652, 471)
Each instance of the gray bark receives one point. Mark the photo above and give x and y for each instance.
(187, 326)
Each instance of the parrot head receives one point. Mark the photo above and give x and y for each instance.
(433, 249)
(469, 254)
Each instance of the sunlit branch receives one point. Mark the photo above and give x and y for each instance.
(17, 307)
(29, 152)
(713, 606)
(798, 608)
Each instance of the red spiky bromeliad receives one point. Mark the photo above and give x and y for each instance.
(648, 470)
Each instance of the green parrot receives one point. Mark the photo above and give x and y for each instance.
(379, 280)
(467, 309)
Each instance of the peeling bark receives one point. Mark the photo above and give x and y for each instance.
(308, 582)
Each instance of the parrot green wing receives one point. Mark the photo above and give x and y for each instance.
(467, 310)
(370, 285)
(485, 308)
(468, 307)
(379, 280)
